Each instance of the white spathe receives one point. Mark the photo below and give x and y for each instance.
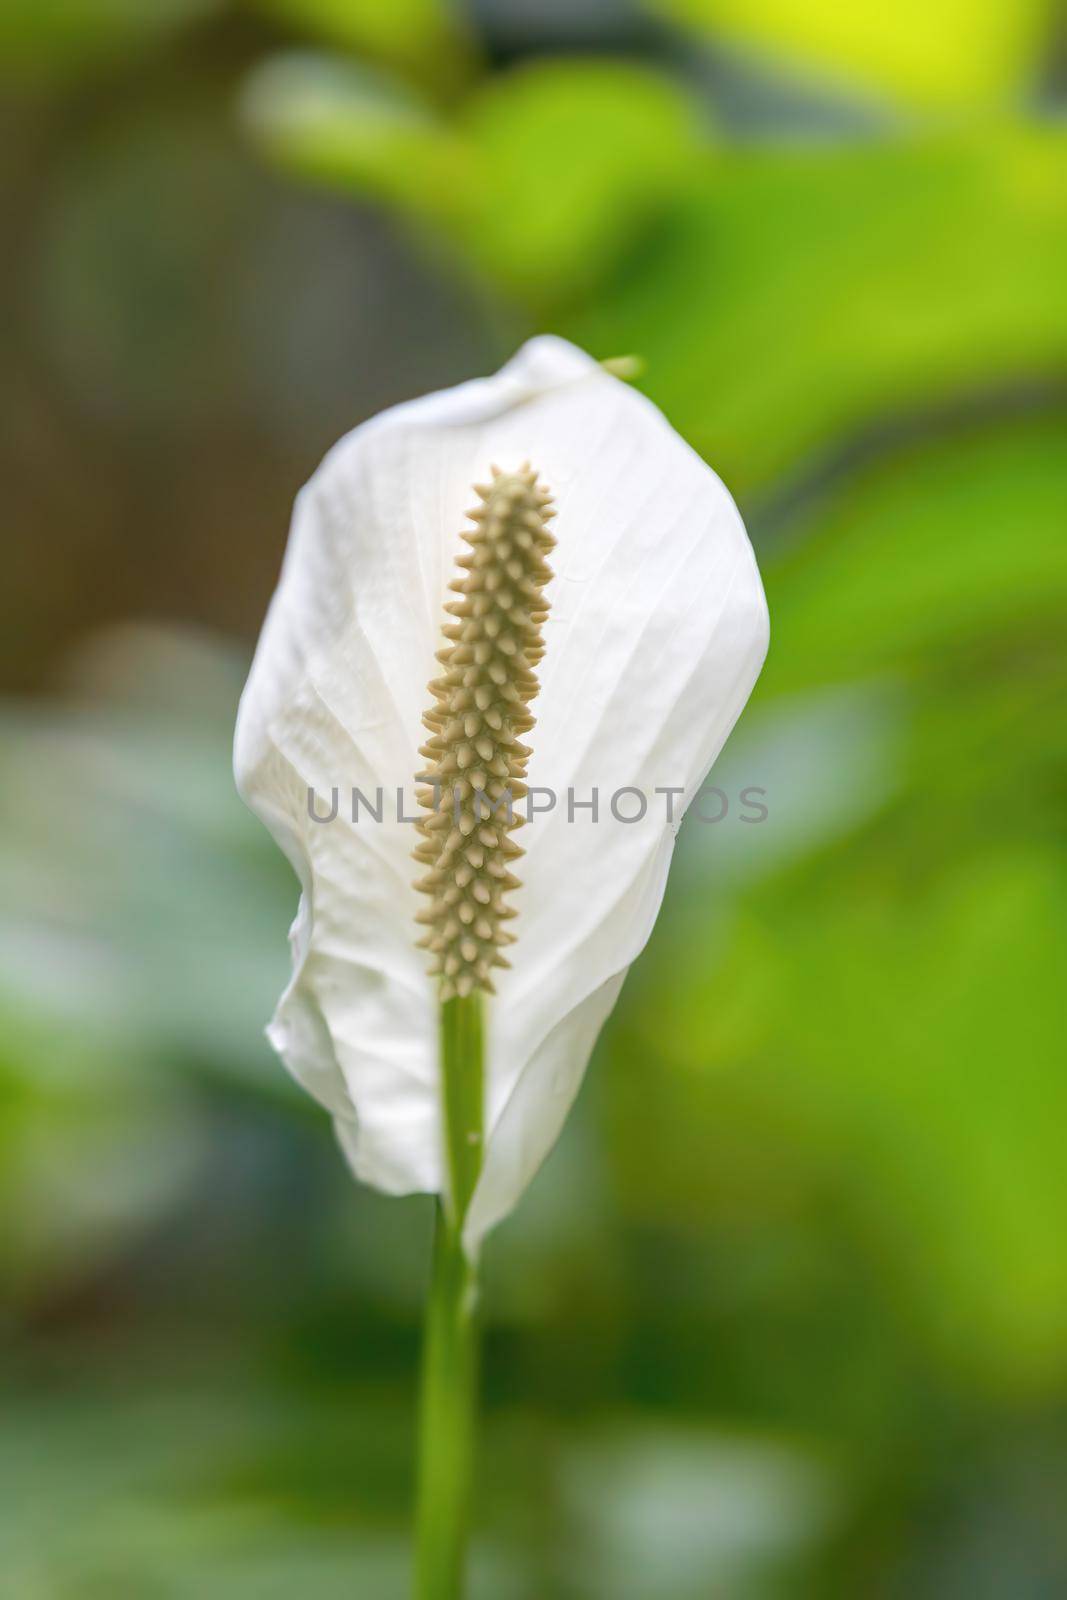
(656, 635)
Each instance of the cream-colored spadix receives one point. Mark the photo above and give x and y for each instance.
(476, 761)
(653, 628)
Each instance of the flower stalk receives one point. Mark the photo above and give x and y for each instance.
(477, 764)
(448, 1401)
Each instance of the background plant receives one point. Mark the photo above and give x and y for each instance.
(799, 1255)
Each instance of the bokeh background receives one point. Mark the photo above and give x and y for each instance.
(786, 1313)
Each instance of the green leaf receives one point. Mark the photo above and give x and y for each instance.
(937, 548)
(956, 53)
(550, 173)
(578, 157)
(880, 1034)
(805, 293)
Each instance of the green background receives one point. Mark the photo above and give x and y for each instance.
(786, 1312)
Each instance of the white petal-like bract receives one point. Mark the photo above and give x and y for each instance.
(655, 637)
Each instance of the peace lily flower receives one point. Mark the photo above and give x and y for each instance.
(605, 626)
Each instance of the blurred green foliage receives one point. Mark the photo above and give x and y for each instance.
(342, 123)
(540, 180)
(958, 53)
(49, 40)
(428, 38)
(903, 274)
(787, 1313)
(575, 158)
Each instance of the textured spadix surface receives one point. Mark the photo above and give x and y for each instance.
(655, 634)
(475, 760)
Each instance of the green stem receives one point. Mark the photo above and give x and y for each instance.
(450, 1350)
(463, 1091)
